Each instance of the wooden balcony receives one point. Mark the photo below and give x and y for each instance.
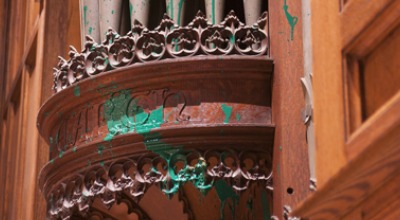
(165, 108)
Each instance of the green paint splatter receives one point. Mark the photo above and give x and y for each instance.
(52, 161)
(51, 140)
(173, 154)
(60, 154)
(238, 117)
(227, 111)
(225, 192)
(77, 91)
(124, 115)
(90, 30)
(102, 163)
(264, 201)
(112, 12)
(292, 20)
(85, 8)
(213, 11)
(74, 149)
(100, 149)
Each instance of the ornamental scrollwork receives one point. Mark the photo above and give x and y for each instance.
(167, 41)
(109, 181)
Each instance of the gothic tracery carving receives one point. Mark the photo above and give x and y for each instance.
(133, 176)
(140, 45)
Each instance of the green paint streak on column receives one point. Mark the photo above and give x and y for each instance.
(180, 5)
(292, 20)
(85, 8)
(265, 204)
(170, 9)
(224, 192)
(77, 91)
(213, 11)
(90, 30)
(227, 111)
(130, 8)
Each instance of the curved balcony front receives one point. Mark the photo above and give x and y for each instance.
(203, 119)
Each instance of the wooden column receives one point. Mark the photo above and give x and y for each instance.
(215, 10)
(291, 174)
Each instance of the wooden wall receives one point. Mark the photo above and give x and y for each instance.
(33, 35)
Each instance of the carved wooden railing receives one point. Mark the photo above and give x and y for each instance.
(168, 41)
(166, 107)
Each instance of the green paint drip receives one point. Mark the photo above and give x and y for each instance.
(227, 111)
(85, 8)
(238, 117)
(112, 12)
(213, 11)
(90, 30)
(264, 201)
(232, 39)
(74, 149)
(292, 20)
(225, 192)
(77, 91)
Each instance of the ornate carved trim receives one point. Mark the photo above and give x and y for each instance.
(167, 41)
(113, 181)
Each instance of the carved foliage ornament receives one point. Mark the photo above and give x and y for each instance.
(167, 41)
(135, 175)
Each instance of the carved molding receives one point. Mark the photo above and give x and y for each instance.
(140, 45)
(169, 171)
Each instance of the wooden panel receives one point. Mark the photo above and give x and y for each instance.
(376, 204)
(328, 93)
(358, 15)
(376, 145)
(381, 75)
(291, 173)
